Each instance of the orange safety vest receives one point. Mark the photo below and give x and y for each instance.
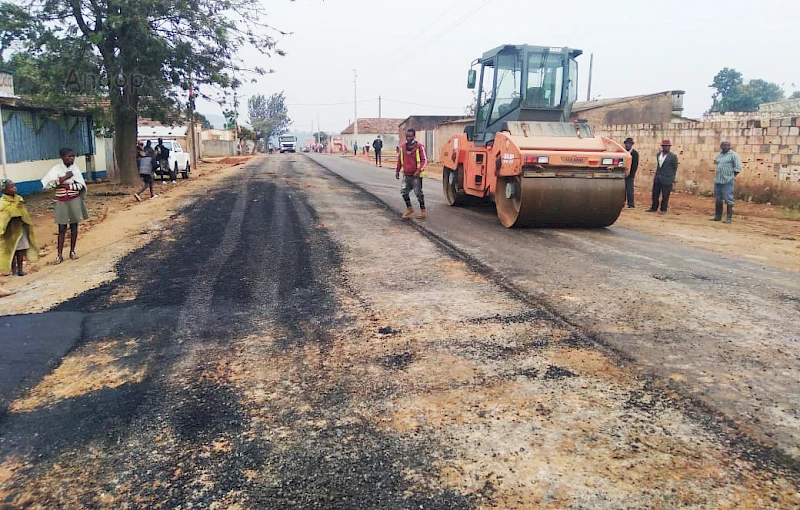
(419, 160)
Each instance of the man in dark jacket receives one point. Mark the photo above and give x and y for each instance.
(666, 168)
(377, 144)
(634, 166)
(162, 160)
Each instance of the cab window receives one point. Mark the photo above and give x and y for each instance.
(509, 85)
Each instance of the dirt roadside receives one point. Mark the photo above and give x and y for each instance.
(761, 233)
(117, 225)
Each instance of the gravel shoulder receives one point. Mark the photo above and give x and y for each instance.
(719, 330)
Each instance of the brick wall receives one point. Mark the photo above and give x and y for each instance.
(770, 150)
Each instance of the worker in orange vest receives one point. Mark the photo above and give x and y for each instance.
(412, 160)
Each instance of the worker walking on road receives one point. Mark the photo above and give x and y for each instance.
(377, 144)
(634, 166)
(666, 168)
(412, 160)
(146, 173)
(729, 164)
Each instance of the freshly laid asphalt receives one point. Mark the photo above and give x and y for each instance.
(31, 345)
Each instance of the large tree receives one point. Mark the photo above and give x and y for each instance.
(269, 115)
(733, 95)
(151, 52)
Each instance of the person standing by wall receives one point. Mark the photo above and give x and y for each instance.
(729, 164)
(666, 169)
(377, 144)
(632, 175)
(412, 160)
(355, 148)
(66, 178)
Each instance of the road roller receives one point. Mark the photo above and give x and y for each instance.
(523, 152)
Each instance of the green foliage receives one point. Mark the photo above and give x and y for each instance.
(733, 95)
(247, 133)
(795, 95)
(142, 55)
(269, 116)
(17, 27)
(323, 137)
(230, 118)
(199, 117)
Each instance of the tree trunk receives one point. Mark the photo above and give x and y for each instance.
(124, 105)
(125, 148)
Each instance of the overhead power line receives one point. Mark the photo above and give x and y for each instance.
(425, 105)
(448, 29)
(331, 104)
(432, 23)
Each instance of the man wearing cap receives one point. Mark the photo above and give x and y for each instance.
(728, 167)
(666, 168)
(634, 165)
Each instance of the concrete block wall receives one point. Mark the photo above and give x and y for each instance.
(770, 150)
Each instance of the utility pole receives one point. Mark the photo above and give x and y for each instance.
(192, 135)
(380, 124)
(355, 105)
(589, 90)
(3, 146)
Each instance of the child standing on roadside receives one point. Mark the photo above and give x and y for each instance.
(66, 178)
(16, 231)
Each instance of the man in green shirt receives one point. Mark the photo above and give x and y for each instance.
(728, 167)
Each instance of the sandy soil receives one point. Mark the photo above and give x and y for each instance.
(117, 225)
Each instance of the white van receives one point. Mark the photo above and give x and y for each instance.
(178, 159)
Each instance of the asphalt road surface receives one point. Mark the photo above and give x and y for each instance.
(135, 417)
(720, 330)
(290, 343)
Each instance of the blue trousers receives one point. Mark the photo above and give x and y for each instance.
(724, 192)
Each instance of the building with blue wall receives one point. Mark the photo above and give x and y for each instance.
(33, 136)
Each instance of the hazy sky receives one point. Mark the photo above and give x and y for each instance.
(419, 51)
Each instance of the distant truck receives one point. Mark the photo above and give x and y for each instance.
(288, 143)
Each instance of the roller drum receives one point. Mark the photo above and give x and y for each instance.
(559, 201)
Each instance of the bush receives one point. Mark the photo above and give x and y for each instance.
(786, 193)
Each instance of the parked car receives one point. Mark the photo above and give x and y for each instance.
(178, 161)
